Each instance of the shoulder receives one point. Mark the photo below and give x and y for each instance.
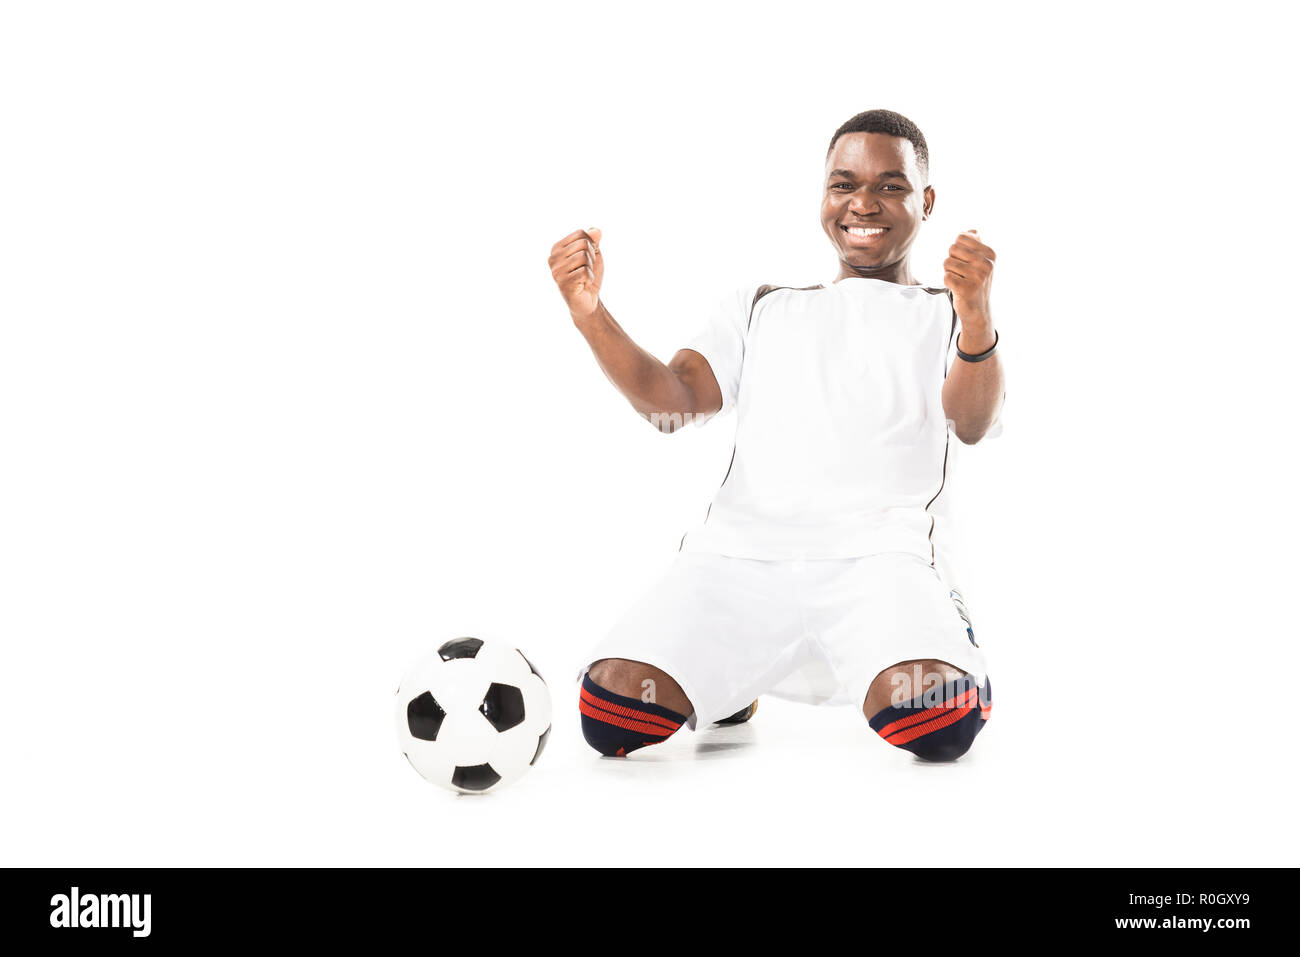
(939, 294)
(772, 295)
(760, 291)
(739, 304)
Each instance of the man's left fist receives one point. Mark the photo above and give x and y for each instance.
(968, 272)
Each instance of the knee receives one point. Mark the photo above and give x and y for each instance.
(619, 712)
(937, 724)
(620, 676)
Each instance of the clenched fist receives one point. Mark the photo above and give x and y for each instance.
(968, 272)
(578, 267)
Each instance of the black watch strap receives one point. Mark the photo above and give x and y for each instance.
(983, 355)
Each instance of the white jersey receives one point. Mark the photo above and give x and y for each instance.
(842, 447)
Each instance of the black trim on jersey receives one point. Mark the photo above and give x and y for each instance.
(943, 480)
(765, 289)
(952, 330)
(709, 510)
(759, 293)
(724, 479)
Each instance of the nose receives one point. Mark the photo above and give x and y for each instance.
(862, 202)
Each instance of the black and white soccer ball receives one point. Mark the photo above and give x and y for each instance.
(473, 715)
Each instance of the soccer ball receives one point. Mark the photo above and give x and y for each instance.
(473, 715)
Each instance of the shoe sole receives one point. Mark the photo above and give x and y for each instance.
(741, 716)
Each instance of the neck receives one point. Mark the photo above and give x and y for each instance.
(895, 272)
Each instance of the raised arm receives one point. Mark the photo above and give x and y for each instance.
(973, 391)
(667, 396)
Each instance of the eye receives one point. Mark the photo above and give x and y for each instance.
(891, 186)
(838, 185)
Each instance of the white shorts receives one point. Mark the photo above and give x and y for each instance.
(817, 631)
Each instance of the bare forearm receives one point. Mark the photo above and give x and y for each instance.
(651, 387)
(973, 391)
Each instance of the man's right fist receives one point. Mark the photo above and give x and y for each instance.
(578, 267)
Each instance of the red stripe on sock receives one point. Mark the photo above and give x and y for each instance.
(943, 718)
(928, 714)
(921, 730)
(661, 723)
(628, 724)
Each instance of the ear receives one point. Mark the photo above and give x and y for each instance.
(929, 201)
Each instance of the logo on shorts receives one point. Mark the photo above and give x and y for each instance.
(965, 615)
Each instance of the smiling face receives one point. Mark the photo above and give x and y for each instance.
(873, 205)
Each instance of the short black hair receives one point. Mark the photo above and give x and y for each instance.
(895, 124)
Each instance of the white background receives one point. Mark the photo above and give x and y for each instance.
(288, 397)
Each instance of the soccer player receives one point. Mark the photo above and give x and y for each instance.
(819, 573)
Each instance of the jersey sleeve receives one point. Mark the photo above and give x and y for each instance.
(721, 340)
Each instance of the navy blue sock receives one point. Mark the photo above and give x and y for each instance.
(616, 726)
(940, 725)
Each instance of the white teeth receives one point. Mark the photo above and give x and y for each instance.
(864, 231)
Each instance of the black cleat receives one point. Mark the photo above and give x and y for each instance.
(741, 716)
